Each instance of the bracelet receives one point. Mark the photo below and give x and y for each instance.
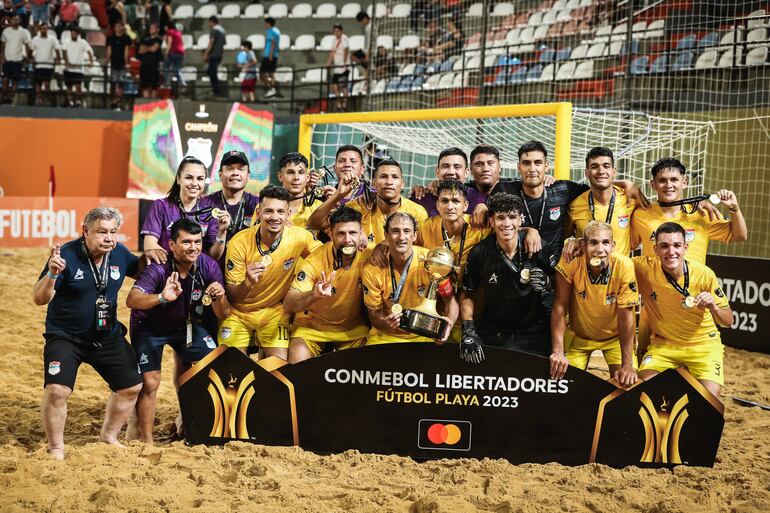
(162, 300)
(221, 241)
(733, 210)
(51, 275)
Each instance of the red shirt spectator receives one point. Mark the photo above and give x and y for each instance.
(175, 44)
(69, 12)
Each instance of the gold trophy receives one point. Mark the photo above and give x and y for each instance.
(424, 320)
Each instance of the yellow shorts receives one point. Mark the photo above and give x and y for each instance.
(703, 361)
(268, 327)
(316, 340)
(375, 338)
(580, 350)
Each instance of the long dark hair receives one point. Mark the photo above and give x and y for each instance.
(173, 192)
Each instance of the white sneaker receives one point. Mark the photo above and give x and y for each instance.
(270, 93)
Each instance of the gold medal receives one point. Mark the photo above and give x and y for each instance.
(714, 199)
(216, 212)
(596, 262)
(689, 302)
(524, 274)
(396, 309)
(348, 250)
(206, 300)
(267, 259)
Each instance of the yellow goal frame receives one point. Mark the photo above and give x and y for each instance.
(562, 111)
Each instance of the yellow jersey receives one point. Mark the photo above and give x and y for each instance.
(594, 303)
(275, 281)
(373, 220)
(698, 231)
(433, 237)
(580, 214)
(378, 293)
(344, 309)
(670, 323)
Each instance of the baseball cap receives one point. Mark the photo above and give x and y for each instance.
(233, 156)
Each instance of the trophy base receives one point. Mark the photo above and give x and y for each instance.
(423, 324)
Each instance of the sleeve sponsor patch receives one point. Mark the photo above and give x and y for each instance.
(230, 265)
(301, 276)
(719, 292)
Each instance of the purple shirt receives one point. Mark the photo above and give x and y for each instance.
(428, 202)
(250, 201)
(164, 212)
(171, 317)
(358, 193)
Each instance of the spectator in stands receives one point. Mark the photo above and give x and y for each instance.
(116, 13)
(249, 67)
(339, 55)
(68, 17)
(384, 64)
(152, 12)
(174, 55)
(166, 16)
(40, 12)
(214, 53)
(150, 56)
(22, 9)
(450, 41)
(46, 51)
(15, 42)
(361, 57)
(76, 50)
(428, 9)
(270, 57)
(116, 57)
(6, 14)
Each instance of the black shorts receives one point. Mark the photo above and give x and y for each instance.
(72, 78)
(43, 74)
(114, 360)
(12, 70)
(341, 79)
(535, 339)
(149, 347)
(149, 77)
(268, 65)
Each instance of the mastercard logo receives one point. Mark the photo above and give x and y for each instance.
(447, 435)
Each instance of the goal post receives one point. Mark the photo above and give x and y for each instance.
(561, 112)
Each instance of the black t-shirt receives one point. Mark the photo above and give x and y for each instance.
(118, 46)
(550, 218)
(151, 59)
(72, 311)
(509, 304)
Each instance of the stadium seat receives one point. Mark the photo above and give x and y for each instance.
(66, 36)
(407, 69)
(757, 35)
(446, 81)
(417, 82)
(518, 75)
(285, 42)
(380, 11)
(585, 3)
(707, 59)
(253, 12)
(304, 42)
(710, 39)
(547, 55)
(326, 11)
(584, 70)
(503, 9)
(326, 43)
(727, 59)
(432, 82)
(562, 54)
(188, 73)
(386, 41)
(640, 65)
(475, 10)
(447, 65)
(392, 86)
(616, 47)
(203, 42)
(230, 11)
(549, 17)
(603, 34)
(619, 32)
(350, 10)
(379, 87)
(473, 63)
(564, 15)
(84, 8)
(757, 56)
(303, 10)
(187, 41)
(535, 20)
(458, 64)
(548, 72)
(596, 50)
(655, 29)
(579, 52)
(97, 39)
(408, 41)
(659, 65)
(512, 38)
(459, 81)
(566, 71)
(406, 84)
(533, 75)
(357, 42)
(278, 10)
(756, 19)
(638, 28)
(283, 75)
(400, 11)
(540, 33)
(206, 11)
(222, 73)
(257, 41)
(359, 88)
(526, 36)
(184, 12)
(232, 41)
(88, 23)
(314, 76)
(732, 36)
(683, 61)
(572, 4)
(688, 42)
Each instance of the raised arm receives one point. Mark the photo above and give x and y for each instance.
(44, 289)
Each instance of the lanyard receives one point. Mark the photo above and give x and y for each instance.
(100, 274)
(610, 209)
(194, 213)
(603, 278)
(448, 243)
(235, 226)
(397, 290)
(193, 274)
(272, 247)
(338, 258)
(542, 209)
(510, 263)
(682, 290)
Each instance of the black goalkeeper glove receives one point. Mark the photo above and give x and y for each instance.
(470, 344)
(539, 280)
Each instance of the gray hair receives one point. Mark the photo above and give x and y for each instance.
(107, 213)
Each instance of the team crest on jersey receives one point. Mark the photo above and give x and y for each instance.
(610, 299)
(115, 272)
(204, 229)
(209, 342)
(301, 276)
(225, 333)
(632, 286)
(652, 236)
(54, 368)
(554, 213)
(582, 294)
(371, 237)
(230, 265)
(654, 296)
(196, 295)
(246, 221)
(623, 221)
(288, 263)
(689, 234)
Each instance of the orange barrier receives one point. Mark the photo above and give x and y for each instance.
(27, 222)
(90, 156)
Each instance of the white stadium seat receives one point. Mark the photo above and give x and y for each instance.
(707, 59)
(230, 11)
(432, 82)
(756, 19)
(547, 73)
(302, 10)
(285, 42)
(188, 73)
(253, 11)
(386, 41)
(187, 41)
(184, 12)
(408, 41)
(203, 42)
(407, 69)
(206, 11)
(757, 56)
(232, 41)
(349, 11)
(584, 70)
(278, 10)
(566, 71)
(304, 42)
(540, 33)
(326, 43)
(88, 23)
(579, 52)
(655, 29)
(381, 10)
(400, 11)
(84, 8)
(314, 76)
(446, 81)
(726, 61)
(475, 10)
(357, 42)
(503, 9)
(326, 11)
(596, 50)
(535, 20)
(257, 41)
(283, 75)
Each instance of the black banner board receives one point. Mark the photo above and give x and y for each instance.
(422, 401)
(746, 282)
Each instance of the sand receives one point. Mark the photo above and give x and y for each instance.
(245, 477)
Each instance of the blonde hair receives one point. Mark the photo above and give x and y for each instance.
(594, 227)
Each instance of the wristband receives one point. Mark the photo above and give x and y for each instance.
(445, 288)
(51, 275)
(221, 241)
(162, 300)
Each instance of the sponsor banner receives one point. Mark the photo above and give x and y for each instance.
(26, 221)
(422, 401)
(746, 284)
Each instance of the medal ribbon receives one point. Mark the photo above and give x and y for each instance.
(273, 246)
(682, 290)
(193, 273)
(610, 209)
(445, 236)
(397, 290)
(542, 208)
(235, 226)
(510, 263)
